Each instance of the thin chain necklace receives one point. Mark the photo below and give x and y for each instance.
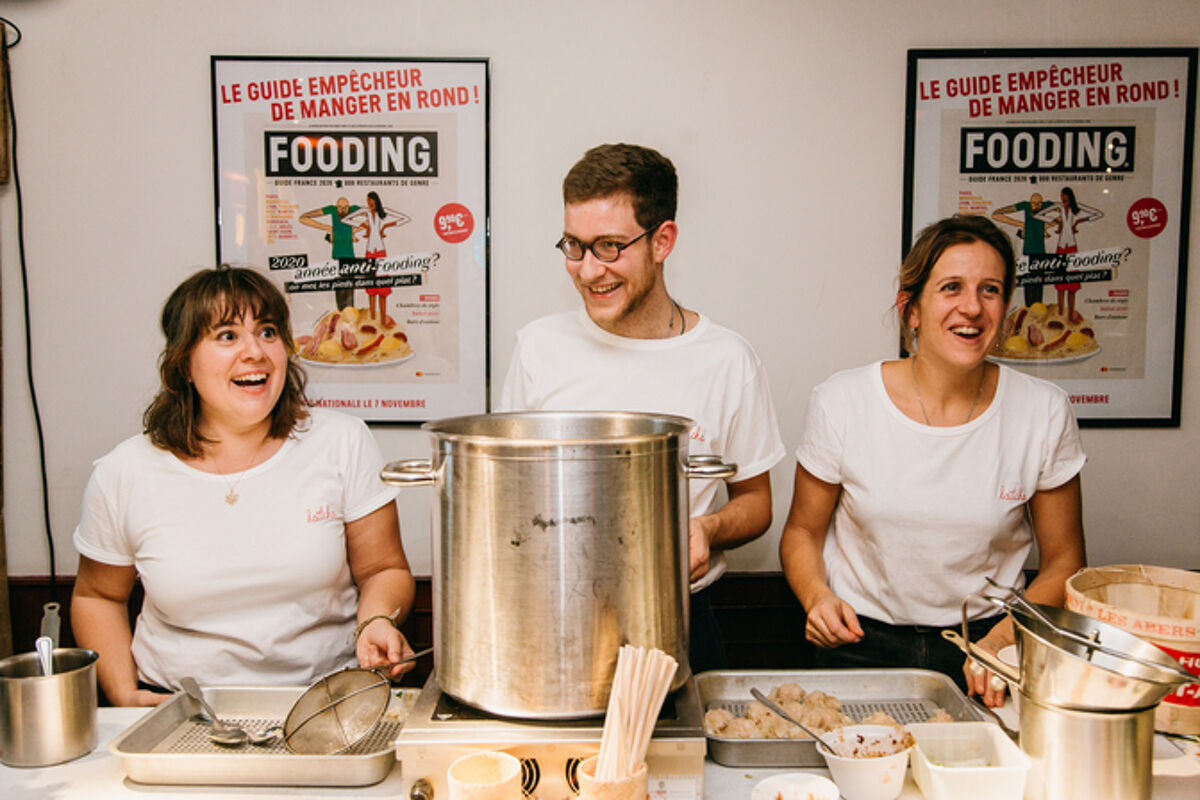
(978, 393)
(231, 496)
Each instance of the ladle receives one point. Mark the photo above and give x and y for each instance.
(222, 732)
(771, 704)
(45, 650)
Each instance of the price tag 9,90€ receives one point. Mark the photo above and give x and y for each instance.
(454, 223)
(1146, 218)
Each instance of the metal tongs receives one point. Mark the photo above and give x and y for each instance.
(1092, 643)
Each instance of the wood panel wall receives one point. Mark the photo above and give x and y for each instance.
(762, 622)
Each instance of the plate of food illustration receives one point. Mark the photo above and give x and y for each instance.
(1044, 334)
(352, 337)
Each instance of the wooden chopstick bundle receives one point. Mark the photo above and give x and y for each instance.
(640, 684)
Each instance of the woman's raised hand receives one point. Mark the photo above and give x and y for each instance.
(380, 646)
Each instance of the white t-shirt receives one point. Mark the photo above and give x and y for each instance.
(255, 593)
(375, 233)
(926, 513)
(565, 362)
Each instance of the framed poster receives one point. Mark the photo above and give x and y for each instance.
(1084, 156)
(360, 185)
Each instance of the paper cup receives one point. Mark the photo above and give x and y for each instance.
(487, 775)
(632, 788)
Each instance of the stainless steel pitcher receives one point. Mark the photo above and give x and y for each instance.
(559, 537)
(47, 719)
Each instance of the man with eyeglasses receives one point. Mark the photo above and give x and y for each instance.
(632, 347)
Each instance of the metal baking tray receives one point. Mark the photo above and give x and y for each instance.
(908, 695)
(170, 746)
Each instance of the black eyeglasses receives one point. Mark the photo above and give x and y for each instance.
(605, 250)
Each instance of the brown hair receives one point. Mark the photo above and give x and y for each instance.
(207, 299)
(934, 240)
(646, 175)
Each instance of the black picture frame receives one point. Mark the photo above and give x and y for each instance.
(312, 154)
(991, 129)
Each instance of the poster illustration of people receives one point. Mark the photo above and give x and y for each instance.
(1084, 158)
(360, 187)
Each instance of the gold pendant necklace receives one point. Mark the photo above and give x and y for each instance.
(232, 496)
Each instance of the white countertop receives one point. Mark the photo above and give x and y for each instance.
(100, 775)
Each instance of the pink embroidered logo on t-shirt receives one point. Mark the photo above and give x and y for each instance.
(321, 514)
(1016, 493)
(697, 435)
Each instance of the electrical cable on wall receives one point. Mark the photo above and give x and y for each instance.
(5, 67)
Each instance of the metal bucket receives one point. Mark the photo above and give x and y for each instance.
(558, 537)
(1092, 754)
(47, 719)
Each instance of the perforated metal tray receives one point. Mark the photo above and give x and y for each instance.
(170, 746)
(908, 695)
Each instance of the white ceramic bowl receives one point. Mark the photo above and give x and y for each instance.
(867, 778)
(795, 786)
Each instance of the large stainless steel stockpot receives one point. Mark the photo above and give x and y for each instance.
(558, 537)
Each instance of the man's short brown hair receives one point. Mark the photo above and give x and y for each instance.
(646, 175)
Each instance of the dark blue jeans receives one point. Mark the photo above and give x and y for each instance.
(913, 646)
(706, 645)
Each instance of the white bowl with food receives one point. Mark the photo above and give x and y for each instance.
(867, 762)
(795, 786)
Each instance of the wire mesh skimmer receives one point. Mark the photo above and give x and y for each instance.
(336, 712)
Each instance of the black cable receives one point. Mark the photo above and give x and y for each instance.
(10, 24)
(37, 416)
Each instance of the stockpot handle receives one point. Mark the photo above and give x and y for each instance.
(963, 642)
(708, 467)
(409, 472)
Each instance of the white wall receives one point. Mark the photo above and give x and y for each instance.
(785, 120)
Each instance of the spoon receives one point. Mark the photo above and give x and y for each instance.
(762, 698)
(45, 650)
(266, 737)
(222, 733)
